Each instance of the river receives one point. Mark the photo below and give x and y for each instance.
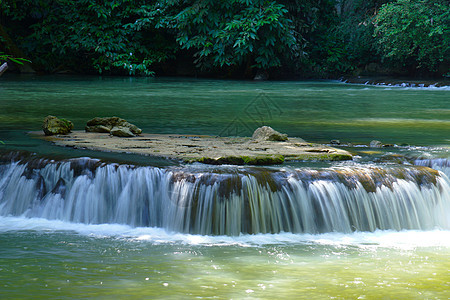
(76, 223)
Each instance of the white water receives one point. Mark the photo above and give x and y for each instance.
(301, 201)
(406, 239)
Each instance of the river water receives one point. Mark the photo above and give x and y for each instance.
(76, 223)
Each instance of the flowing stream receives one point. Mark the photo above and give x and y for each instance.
(77, 223)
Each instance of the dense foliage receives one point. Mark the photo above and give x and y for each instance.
(415, 34)
(311, 38)
(227, 33)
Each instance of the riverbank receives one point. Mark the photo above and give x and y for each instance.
(202, 148)
(392, 81)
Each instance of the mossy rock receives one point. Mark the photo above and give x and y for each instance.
(262, 160)
(106, 124)
(53, 126)
(321, 157)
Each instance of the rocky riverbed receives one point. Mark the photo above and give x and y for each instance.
(204, 149)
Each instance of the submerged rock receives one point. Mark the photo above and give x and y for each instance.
(106, 124)
(375, 144)
(121, 131)
(267, 133)
(52, 126)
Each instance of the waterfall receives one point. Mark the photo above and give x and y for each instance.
(253, 200)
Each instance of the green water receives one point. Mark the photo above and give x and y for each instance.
(316, 111)
(41, 259)
(66, 265)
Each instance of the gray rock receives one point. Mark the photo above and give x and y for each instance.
(98, 128)
(106, 124)
(52, 126)
(267, 133)
(375, 144)
(121, 131)
(133, 128)
(335, 142)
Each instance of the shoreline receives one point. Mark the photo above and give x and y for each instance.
(392, 81)
(201, 148)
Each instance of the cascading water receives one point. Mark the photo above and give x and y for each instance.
(247, 201)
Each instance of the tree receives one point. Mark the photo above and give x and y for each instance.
(115, 36)
(415, 34)
(231, 33)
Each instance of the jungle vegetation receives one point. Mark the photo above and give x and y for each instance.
(234, 38)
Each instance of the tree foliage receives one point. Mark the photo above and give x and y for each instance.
(415, 33)
(228, 33)
(113, 36)
(18, 60)
(304, 37)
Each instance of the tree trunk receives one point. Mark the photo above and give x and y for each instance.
(3, 68)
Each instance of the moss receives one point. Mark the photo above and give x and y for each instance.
(322, 156)
(240, 160)
(264, 160)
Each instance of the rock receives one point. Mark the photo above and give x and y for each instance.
(267, 133)
(98, 124)
(261, 75)
(121, 131)
(259, 160)
(98, 128)
(375, 144)
(335, 142)
(52, 126)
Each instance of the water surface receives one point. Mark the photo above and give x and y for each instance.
(46, 254)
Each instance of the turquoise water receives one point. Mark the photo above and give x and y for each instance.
(121, 262)
(53, 258)
(315, 111)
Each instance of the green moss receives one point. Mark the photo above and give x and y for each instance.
(240, 160)
(67, 123)
(321, 156)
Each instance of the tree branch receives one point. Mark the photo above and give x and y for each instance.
(3, 68)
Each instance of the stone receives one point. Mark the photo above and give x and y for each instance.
(267, 133)
(260, 160)
(121, 131)
(375, 144)
(106, 124)
(261, 75)
(335, 142)
(207, 149)
(52, 126)
(98, 128)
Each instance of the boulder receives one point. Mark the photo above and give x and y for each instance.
(107, 124)
(121, 131)
(98, 128)
(52, 126)
(375, 144)
(267, 133)
(335, 142)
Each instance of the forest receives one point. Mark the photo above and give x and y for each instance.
(228, 39)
